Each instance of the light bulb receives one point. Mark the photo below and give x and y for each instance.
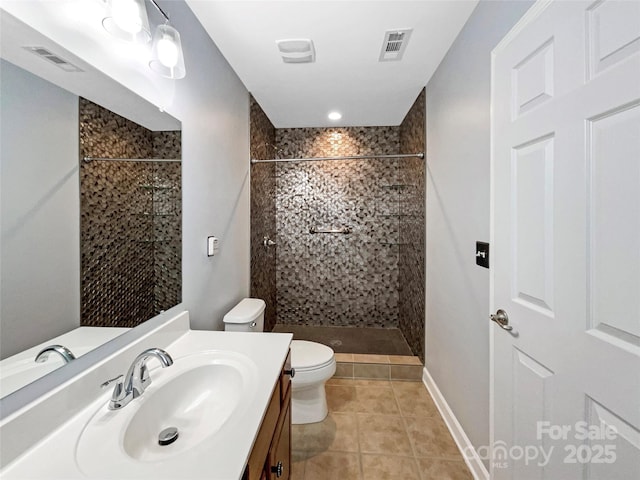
(167, 52)
(126, 15)
(335, 116)
(166, 55)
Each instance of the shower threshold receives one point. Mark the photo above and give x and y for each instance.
(359, 340)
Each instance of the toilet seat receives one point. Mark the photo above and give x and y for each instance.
(314, 364)
(308, 356)
(313, 368)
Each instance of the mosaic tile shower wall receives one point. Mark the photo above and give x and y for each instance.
(338, 279)
(263, 211)
(167, 220)
(130, 221)
(411, 266)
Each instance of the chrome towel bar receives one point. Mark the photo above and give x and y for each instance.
(343, 230)
(102, 159)
(347, 157)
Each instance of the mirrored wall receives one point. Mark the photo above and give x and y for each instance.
(83, 245)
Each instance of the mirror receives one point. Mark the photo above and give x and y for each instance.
(83, 244)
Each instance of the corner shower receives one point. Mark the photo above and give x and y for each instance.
(345, 207)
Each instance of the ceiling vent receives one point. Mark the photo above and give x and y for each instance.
(53, 58)
(394, 45)
(299, 50)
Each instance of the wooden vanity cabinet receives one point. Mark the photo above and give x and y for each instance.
(270, 458)
(279, 458)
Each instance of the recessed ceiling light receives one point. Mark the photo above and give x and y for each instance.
(334, 116)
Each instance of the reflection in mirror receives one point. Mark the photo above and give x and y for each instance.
(130, 221)
(83, 245)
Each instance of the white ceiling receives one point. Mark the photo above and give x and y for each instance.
(348, 36)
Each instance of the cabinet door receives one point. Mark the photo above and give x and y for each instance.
(270, 427)
(279, 459)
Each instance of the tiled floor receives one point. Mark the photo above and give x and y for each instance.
(381, 341)
(377, 430)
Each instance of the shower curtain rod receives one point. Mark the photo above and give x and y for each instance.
(102, 159)
(352, 157)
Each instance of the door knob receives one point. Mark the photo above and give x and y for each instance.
(502, 319)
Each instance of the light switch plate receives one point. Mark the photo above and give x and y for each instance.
(212, 246)
(482, 254)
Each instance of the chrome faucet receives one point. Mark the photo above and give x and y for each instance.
(137, 378)
(61, 350)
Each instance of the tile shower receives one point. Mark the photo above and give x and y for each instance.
(130, 223)
(371, 277)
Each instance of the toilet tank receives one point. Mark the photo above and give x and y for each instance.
(246, 316)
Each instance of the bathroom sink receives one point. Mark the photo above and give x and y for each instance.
(201, 396)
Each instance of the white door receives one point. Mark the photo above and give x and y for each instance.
(566, 243)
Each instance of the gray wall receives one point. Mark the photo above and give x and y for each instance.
(213, 105)
(39, 210)
(458, 176)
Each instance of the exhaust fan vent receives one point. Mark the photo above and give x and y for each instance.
(298, 50)
(394, 44)
(53, 58)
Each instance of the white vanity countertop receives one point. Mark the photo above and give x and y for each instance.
(20, 369)
(221, 457)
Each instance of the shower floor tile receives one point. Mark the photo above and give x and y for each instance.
(373, 341)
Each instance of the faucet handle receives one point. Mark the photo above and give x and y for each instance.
(118, 395)
(110, 381)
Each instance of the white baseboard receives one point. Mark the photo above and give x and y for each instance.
(471, 457)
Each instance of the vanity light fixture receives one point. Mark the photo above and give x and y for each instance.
(127, 20)
(334, 116)
(167, 58)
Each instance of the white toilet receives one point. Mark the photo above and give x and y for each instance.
(313, 363)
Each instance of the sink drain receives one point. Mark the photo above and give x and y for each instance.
(168, 436)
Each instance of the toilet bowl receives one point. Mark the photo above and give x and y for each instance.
(313, 363)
